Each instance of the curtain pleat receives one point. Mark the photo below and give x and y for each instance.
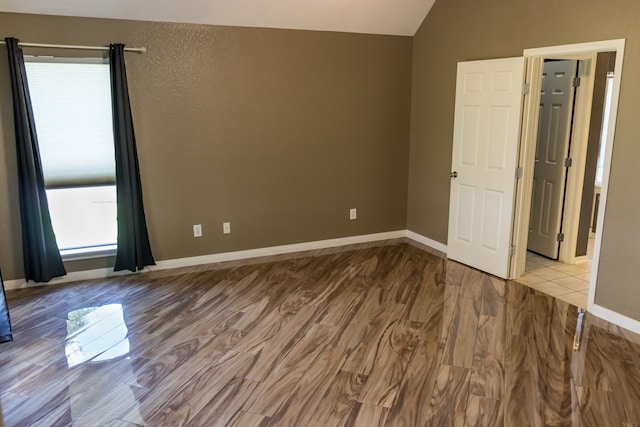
(42, 260)
(134, 250)
(5, 321)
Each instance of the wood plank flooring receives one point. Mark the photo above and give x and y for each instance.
(381, 336)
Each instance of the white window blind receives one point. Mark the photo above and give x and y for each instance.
(71, 101)
(72, 110)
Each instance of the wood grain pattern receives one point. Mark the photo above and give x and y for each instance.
(448, 402)
(411, 405)
(461, 340)
(384, 335)
(305, 397)
(487, 370)
(396, 346)
(483, 412)
(338, 403)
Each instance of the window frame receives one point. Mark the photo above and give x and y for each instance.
(91, 252)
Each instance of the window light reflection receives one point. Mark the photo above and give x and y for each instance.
(96, 334)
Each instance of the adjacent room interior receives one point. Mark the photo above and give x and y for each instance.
(292, 176)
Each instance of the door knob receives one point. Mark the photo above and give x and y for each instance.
(453, 174)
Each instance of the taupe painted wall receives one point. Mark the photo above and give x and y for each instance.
(463, 30)
(278, 131)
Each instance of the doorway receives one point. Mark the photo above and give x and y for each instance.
(557, 95)
(567, 254)
(569, 282)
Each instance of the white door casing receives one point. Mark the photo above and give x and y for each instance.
(552, 148)
(485, 148)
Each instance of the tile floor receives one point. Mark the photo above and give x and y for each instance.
(568, 282)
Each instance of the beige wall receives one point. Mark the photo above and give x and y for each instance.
(278, 131)
(462, 30)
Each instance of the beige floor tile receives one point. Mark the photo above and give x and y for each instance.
(532, 266)
(546, 262)
(571, 269)
(573, 283)
(575, 298)
(530, 278)
(551, 288)
(550, 274)
(584, 276)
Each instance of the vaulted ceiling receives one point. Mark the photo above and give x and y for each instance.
(394, 17)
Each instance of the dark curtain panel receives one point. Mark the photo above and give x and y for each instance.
(5, 322)
(42, 261)
(134, 250)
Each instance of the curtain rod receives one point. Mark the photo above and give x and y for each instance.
(66, 46)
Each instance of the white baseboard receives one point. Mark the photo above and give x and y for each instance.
(74, 276)
(427, 241)
(102, 273)
(276, 250)
(616, 318)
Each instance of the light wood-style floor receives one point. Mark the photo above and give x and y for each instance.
(383, 336)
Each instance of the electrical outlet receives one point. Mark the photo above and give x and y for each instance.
(226, 227)
(197, 230)
(353, 214)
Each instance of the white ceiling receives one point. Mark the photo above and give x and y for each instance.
(394, 17)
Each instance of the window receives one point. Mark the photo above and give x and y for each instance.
(605, 129)
(71, 101)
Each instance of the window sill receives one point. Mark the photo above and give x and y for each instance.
(88, 253)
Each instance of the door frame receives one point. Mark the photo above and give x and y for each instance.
(534, 59)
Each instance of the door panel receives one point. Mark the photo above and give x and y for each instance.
(485, 146)
(554, 131)
(466, 204)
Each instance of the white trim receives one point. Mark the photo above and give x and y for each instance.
(74, 276)
(578, 48)
(427, 241)
(616, 318)
(102, 273)
(277, 250)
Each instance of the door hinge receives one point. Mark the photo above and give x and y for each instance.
(576, 82)
(568, 162)
(518, 173)
(512, 251)
(560, 237)
(526, 87)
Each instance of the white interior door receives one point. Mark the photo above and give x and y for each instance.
(485, 147)
(552, 148)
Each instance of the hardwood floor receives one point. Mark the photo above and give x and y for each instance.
(383, 336)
